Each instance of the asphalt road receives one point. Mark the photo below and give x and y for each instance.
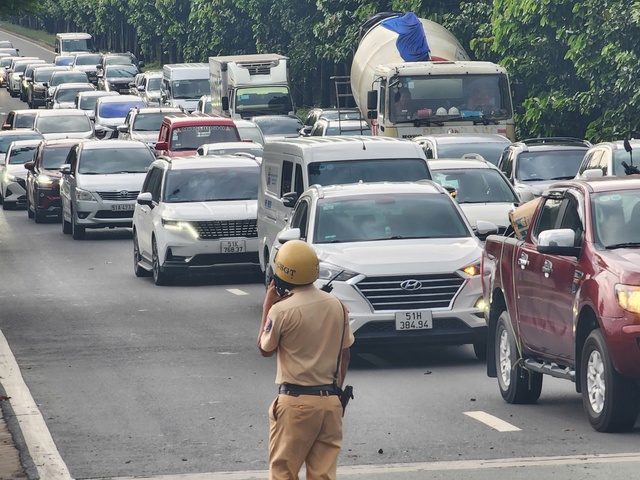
(131, 379)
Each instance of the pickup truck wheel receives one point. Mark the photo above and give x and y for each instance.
(517, 384)
(610, 400)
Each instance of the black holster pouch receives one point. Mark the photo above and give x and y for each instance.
(345, 394)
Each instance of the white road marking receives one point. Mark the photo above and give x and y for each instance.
(493, 422)
(414, 467)
(23, 39)
(237, 291)
(36, 435)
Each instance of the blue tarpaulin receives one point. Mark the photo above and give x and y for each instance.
(412, 42)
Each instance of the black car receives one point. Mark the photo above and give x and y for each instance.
(117, 78)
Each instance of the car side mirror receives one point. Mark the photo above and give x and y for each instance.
(162, 146)
(122, 128)
(140, 64)
(560, 241)
(486, 228)
(286, 235)
(65, 169)
(145, 198)
(289, 199)
(30, 165)
(6, 126)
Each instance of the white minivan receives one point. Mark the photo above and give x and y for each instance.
(290, 166)
(183, 84)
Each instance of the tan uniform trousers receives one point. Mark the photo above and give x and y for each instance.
(305, 429)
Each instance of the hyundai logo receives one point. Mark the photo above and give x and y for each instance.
(411, 285)
(124, 193)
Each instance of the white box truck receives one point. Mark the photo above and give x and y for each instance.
(183, 84)
(405, 94)
(244, 86)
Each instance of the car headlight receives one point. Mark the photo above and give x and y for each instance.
(44, 179)
(328, 271)
(628, 297)
(179, 226)
(84, 195)
(472, 270)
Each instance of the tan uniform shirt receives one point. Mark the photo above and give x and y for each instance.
(306, 330)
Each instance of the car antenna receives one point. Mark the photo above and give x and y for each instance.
(627, 147)
(327, 287)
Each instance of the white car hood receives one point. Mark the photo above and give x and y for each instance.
(496, 213)
(112, 182)
(403, 257)
(205, 211)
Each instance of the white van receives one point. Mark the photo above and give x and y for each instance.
(75, 42)
(290, 166)
(184, 83)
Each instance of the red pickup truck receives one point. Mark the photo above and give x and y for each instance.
(565, 301)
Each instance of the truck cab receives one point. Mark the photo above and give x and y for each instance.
(67, 43)
(183, 84)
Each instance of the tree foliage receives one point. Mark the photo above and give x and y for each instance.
(577, 59)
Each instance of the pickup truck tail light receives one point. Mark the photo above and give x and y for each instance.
(628, 297)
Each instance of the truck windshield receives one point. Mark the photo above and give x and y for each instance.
(616, 218)
(388, 217)
(263, 100)
(190, 89)
(370, 170)
(77, 45)
(445, 98)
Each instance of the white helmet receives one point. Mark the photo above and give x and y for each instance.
(454, 111)
(441, 111)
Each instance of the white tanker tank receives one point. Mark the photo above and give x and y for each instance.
(403, 53)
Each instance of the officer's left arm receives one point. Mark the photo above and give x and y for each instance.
(344, 365)
(266, 325)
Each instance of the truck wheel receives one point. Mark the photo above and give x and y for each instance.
(610, 400)
(517, 384)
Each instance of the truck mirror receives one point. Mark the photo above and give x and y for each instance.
(559, 241)
(225, 104)
(289, 199)
(162, 146)
(372, 100)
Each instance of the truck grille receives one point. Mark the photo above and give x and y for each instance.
(120, 196)
(432, 291)
(226, 228)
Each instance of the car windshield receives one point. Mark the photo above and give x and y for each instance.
(88, 102)
(476, 185)
(388, 216)
(53, 157)
(334, 129)
(148, 122)
(549, 165)
(370, 170)
(21, 155)
(616, 218)
(252, 133)
(43, 74)
(87, 59)
(69, 94)
(64, 61)
(5, 141)
(190, 138)
(280, 126)
(77, 45)
(212, 184)
(190, 89)
(123, 71)
(68, 77)
(63, 124)
(24, 120)
(109, 160)
(490, 151)
(20, 68)
(5, 62)
(118, 109)
(154, 83)
(118, 60)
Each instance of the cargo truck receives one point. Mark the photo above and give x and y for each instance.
(421, 81)
(245, 86)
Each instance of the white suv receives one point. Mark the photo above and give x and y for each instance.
(100, 184)
(195, 214)
(401, 256)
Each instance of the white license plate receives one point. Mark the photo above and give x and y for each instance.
(122, 208)
(414, 320)
(125, 90)
(232, 246)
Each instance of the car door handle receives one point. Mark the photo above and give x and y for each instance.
(547, 268)
(523, 260)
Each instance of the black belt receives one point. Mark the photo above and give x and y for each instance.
(319, 390)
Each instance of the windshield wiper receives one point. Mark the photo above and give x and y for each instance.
(484, 121)
(421, 121)
(623, 245)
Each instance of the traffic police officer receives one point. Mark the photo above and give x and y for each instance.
(309, 330)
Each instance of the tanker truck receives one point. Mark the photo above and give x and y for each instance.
(411, 77)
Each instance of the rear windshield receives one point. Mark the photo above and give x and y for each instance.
(115, 160)
(212, 184)
(63, 124)
(52, 158)
(190, 138)
(21, 155)
(69, 94)
(118, 110)
(370, 170)
(88, 60)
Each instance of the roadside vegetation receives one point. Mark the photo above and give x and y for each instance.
(577, 59)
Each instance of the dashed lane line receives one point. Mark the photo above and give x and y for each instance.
(237, 291)
(494, 422)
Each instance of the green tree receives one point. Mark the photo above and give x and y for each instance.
(10, 8)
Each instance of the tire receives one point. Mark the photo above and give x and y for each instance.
(610, 400)
(137, 269)
(159, 277)
(480, 349)
(39, 217)
(77, 231)
(30, 214)
(7, 206)
(517, 384)
(66, 226)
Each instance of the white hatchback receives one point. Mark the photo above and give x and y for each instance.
(400, 256)
(194, 215)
